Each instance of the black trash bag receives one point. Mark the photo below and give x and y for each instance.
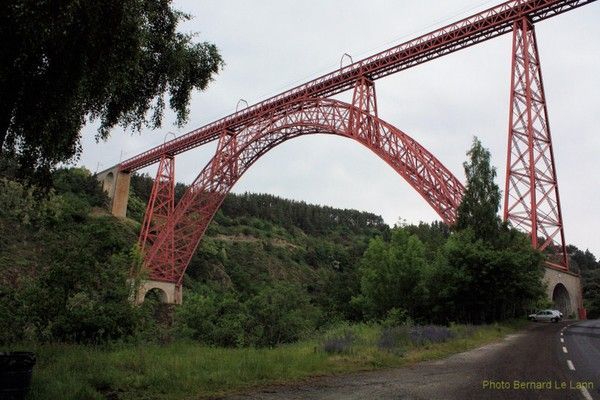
(15, 374)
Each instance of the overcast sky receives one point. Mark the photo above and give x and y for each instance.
(270, 46)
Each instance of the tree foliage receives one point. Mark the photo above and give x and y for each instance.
(391, 276)
(214, 319)
(256, 279)
(81, 183)
(280, 313)
(481, 200)
(63, 63)
(484, 271)
(62, 272)
(476, 282)
(588, 266)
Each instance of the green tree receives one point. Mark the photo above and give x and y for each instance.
(80, 182)
(78, 296)
(591, 293)
(281, 313)
(62, 272)
(481, 200)
(476, 282)
(390, 275)
(487, 271)
(214, 319)
(63, 63)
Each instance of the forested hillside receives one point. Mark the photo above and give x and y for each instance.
(64, 260)
(268, 271)
(300, 258)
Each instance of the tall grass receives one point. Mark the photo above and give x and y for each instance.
(186, 370)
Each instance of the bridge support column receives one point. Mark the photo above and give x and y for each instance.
(116, 184)
(564, 290)
(531, 200)
(169, 292)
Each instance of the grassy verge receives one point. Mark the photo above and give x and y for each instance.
(190, 371)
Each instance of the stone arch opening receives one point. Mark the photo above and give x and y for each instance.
(561, 299)
(160, 291)
(157, 294)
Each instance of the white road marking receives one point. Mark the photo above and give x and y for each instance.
(586, 394)
(584, 391)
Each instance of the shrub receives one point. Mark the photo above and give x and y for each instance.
(23, 205)
(74, 208)
(280, 314)
(463, 331)
(136, 207)
(396, 317)
(213, 319)
(76, 298)
(339, 344)
(394, 339)
(73, 287)
(391, 275)
(424, 334)
(80, 182)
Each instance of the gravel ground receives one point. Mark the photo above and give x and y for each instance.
(533, 355)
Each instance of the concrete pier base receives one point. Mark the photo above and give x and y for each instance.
(170, 293)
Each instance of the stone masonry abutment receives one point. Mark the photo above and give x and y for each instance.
(116, 184)
(564, 290)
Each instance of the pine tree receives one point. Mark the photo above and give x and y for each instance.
(481, 201)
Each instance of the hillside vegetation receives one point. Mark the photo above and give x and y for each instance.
(268, 271)
(338, 284)
(65, 263)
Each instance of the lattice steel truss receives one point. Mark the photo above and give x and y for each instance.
(158, 212)
(485, 25)
(170, 235)
(531, 201)
(237, 151)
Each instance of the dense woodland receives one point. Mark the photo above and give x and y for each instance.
(269, 270)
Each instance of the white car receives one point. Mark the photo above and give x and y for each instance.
(546, 315)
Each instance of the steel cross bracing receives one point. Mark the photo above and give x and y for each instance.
(158, 212)
(237, 152)
(531, 196)
(480, 27)
(531, 201)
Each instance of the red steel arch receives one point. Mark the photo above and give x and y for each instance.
(477, 28)
(237, 151)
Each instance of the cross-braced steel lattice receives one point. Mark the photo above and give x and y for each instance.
(478, 28)
(237, 151)
(531, 196)
(531, 200)
(158, 212)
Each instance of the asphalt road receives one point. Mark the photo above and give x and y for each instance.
(558, 355)
(504, 370)
(582, 341)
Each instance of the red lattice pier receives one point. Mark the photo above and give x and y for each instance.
(171, 233)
